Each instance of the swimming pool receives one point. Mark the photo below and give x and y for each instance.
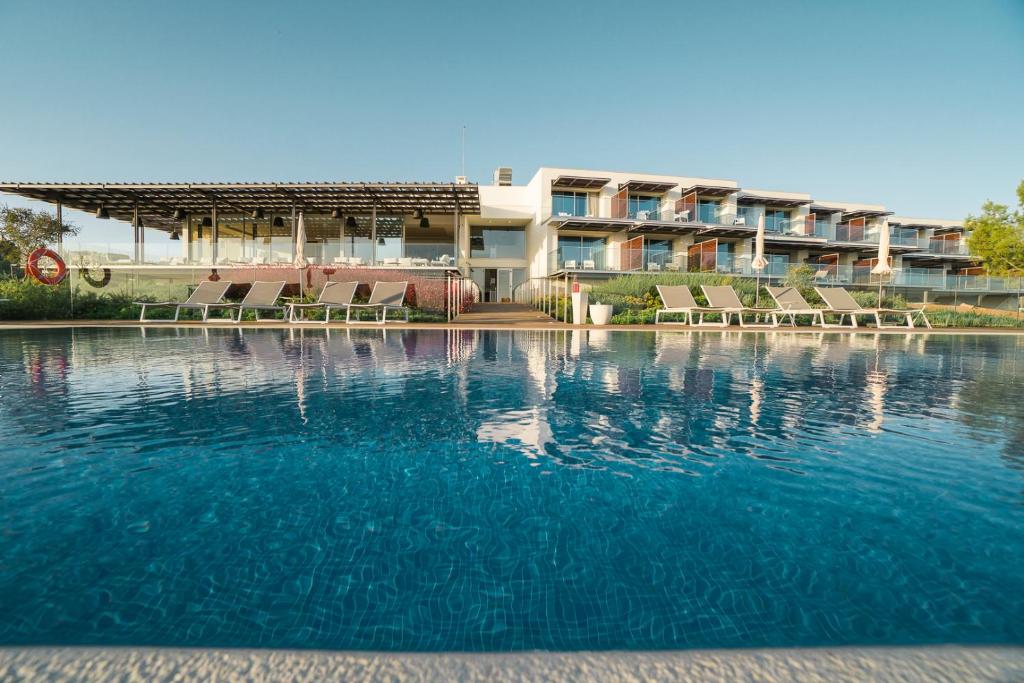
(460, 490)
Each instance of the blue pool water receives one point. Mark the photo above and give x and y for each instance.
(433, 490)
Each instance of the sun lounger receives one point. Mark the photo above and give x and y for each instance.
(207, 294)
(841, 303)
(334, 295)
(262, 296)
(725, 299)
(386, 296)
(791, 304)
(679, 299)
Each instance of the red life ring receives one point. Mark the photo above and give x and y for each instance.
(32, 267)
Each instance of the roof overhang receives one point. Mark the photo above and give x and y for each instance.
(157, 202)
(590, 224)
(770, 200)
(932, 256)
(576, 182)
(728, 230)
(818, 209)
(711, 190)
(664, 227)
(794, 240)
(648, 186)
(864, 213)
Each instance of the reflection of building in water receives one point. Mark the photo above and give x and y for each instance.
(524, 430)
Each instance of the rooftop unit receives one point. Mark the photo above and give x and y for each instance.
(503, 176)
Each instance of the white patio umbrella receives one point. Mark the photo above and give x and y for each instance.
(882, 268)
(759, 261)
(300, 243)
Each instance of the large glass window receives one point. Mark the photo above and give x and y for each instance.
(776, 220)
(569, 203)
(748, 214)
(581, 252)
(708, 211)
(642, 203)
(497, 242)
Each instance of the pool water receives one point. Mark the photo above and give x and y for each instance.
(476, 491)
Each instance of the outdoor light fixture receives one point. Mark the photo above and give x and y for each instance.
(179, 214)
(207, 222)
(418, 213)
(257, 214)
(278, 222)
(380, 242)
(102, 213)
(350, 222)
(174, 235)
(336, 214)
(424, 222)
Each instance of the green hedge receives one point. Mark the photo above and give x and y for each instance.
(30, 300)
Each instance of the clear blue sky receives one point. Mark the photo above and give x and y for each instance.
(918, 105)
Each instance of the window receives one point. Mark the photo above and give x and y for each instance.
(497, 242)
(748, 214)
(570, 203)
(708, 212)
(580, 250)
(638, 203)
(776, 220)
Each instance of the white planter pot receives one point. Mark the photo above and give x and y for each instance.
(601, 313)
(579, 307)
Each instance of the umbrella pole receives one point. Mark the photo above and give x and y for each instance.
(757, 291)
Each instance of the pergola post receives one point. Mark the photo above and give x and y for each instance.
(215, 234)
(455, 229)
(60, 229)
(373, 234)
(292, 240)
(135, 233)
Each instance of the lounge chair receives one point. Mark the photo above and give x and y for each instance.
(333, 295)
(679, 299)
(725, 299)
(262, 296)
(791, 304)
(386, 296)
(841, 303)
(204, 296)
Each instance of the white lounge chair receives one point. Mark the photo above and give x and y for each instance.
(791, 304)
(653, 266)
(386, 296)
(679, 299)
(262, 296)
(334, 295)
(724, 298)
(841, 303)
(204, 296)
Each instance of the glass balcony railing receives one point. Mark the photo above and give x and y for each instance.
(844, 232)
(618, 260)
(940, 246)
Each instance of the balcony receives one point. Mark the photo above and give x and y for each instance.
(845, 232)
(956, 247)
(572, 258)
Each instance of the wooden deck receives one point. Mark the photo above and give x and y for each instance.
(504, 314)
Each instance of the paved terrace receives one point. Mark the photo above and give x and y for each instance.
(825, 665)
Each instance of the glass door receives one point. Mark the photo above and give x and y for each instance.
(504, 285)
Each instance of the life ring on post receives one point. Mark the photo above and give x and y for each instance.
(32, 267)
(98, 284)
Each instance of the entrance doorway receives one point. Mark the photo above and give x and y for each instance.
(496, 284)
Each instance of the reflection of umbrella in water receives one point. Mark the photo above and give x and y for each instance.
(876, 381)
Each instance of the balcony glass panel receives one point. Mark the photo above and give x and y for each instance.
(643, 207)
(497, 242)
(569, 204)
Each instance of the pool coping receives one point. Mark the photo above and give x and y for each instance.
(556, 326)
(836, 664)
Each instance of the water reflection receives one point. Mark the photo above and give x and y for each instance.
(468, 490)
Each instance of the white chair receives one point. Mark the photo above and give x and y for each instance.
(740, 220)
(588, 264)
(682, 216)
(569, 264)
(389, 261)
(642, 215)
(651, 265)
(405, 262)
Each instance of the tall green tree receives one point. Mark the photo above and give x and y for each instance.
(22, 230)
(997, 236)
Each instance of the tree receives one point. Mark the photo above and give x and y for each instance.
(997, 236)
(23, 230)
